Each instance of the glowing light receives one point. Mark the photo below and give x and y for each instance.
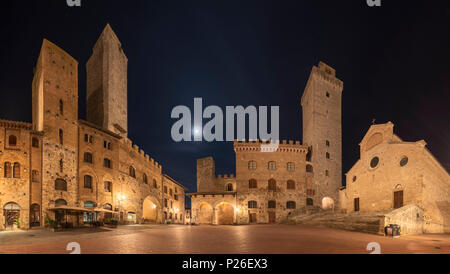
(154, 206)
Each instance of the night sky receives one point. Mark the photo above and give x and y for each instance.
(394, 61)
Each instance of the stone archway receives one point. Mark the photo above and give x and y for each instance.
(225, 214)
(327, 203)
(151, 210)
(205, 214)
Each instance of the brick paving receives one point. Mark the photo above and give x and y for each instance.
(179, 239)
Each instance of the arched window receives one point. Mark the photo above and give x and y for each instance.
(272, 185)
(61, 107)
(8, 171)
(88, 157)
(252, 204)
(290, 184)
(309, 202)
(290, 205)
(16, 170)
(252, 165)
(108, 186)
(87, 181)
(61, 137)
(272, 165)
(107, 163)
(229, 187)
(144, 178)
(132, 172)
(60, 184)
(252, 183)
(60, 202)
(290, 166)
(327, 155)
(35, 215)
(309, 168)
(271, 204)
(107, 206)
(155, 184)
(35, 142)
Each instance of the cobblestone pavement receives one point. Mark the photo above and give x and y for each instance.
(261, 239)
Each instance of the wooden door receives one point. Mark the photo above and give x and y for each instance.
(272, 217)
(356, 204)
(252, 217)
(398, 199)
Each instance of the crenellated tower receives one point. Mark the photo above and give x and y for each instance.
(322, 129)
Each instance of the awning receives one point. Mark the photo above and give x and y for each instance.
(71, 208)
(105, 210)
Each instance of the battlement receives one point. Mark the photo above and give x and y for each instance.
(225, 176)
(15, 124)
(144, 157)
(268, 146)
(327, 73)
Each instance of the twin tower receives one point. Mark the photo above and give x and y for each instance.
(106, 84)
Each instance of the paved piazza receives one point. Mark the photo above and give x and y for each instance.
(180, 239)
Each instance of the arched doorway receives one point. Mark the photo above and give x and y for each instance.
(225, 214)
(151, 210)
(327, 203)
(11, 211)
(205, 214)
(35, 216)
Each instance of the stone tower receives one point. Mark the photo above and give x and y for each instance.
(205, 174)
(55, 112)
(322, 129)
(107, 84)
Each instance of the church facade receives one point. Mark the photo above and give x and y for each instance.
(60, 168)
(391, 174)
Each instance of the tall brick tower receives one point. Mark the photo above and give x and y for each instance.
(55, 112)
(322, 130)
(107, 84)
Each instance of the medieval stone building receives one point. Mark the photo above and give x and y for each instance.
(74, 171)
(392, 174)
(277, 179)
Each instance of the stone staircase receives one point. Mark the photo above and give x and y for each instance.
(356, 221)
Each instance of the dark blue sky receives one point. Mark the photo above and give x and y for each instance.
(394, 61)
